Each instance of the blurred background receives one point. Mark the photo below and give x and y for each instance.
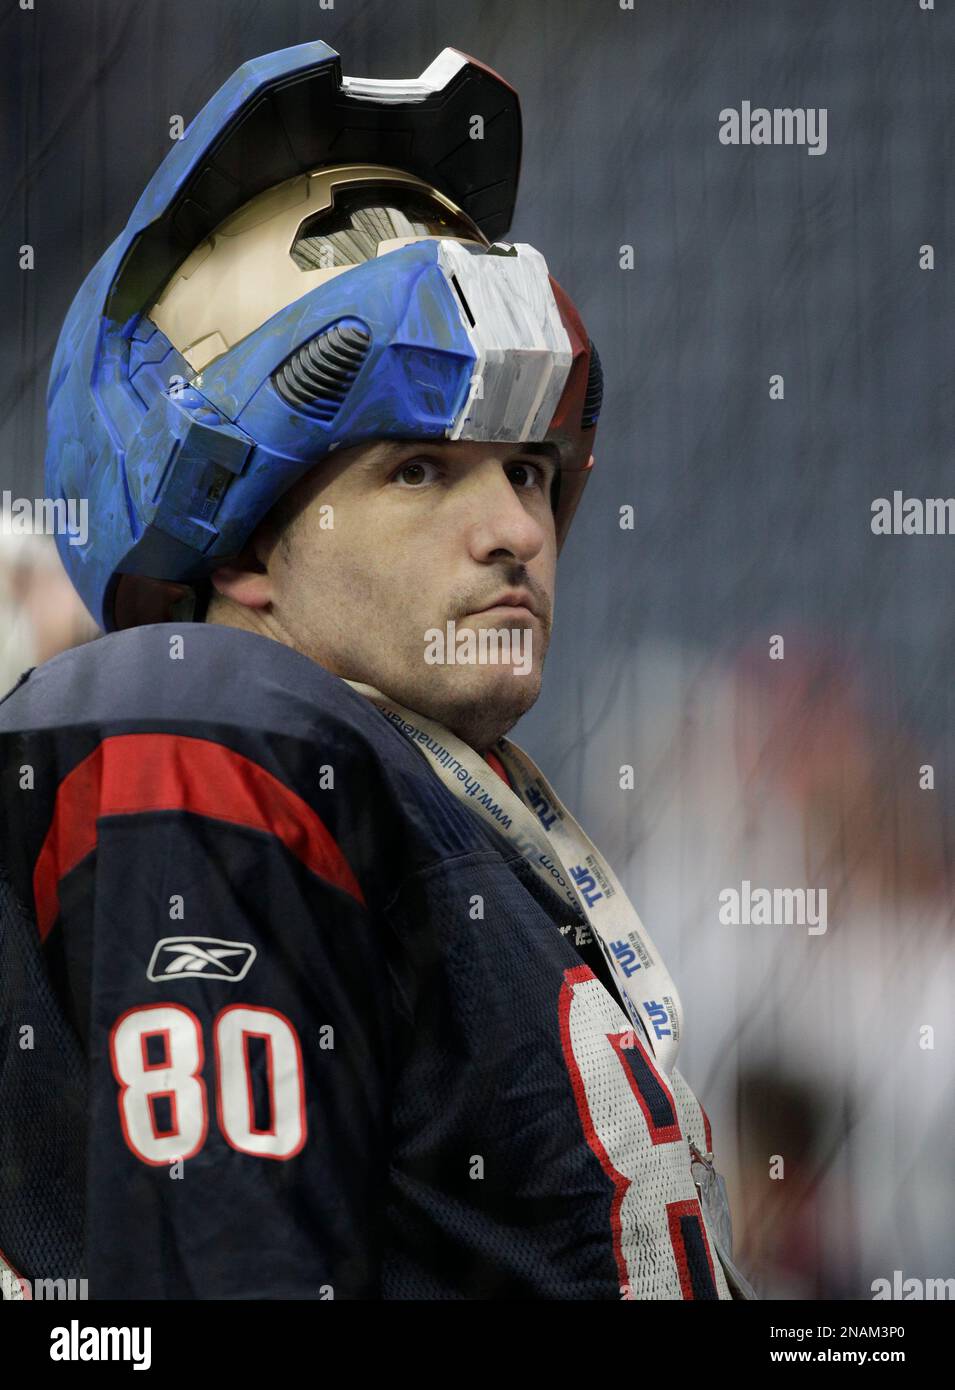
(751, 518)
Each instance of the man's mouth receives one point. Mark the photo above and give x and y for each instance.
(513, 604)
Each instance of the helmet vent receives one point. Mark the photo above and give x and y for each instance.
(594, 393)
(319, 374)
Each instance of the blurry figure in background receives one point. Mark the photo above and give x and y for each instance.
(796, 1117)
(869, 1017)
(40, 613)
(812, 1049)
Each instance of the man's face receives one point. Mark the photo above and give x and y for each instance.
(423, 534)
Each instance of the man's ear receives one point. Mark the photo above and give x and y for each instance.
(246, 579)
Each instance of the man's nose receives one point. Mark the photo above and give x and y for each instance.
(502, 521)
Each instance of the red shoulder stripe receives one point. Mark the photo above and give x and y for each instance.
(131, 773)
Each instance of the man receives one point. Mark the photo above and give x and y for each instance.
(324, 992)
(425, 534)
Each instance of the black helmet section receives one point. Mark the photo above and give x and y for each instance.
(295, 123)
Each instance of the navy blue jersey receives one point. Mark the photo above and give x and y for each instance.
(283, 1018)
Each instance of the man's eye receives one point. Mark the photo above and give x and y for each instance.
(537, 475)
(415, 472)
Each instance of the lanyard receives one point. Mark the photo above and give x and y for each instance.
(535, 822)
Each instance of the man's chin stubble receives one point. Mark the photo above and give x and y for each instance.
(480, 712)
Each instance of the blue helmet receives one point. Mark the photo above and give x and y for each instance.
(311, 267)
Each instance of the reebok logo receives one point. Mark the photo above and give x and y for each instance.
(185, 957)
